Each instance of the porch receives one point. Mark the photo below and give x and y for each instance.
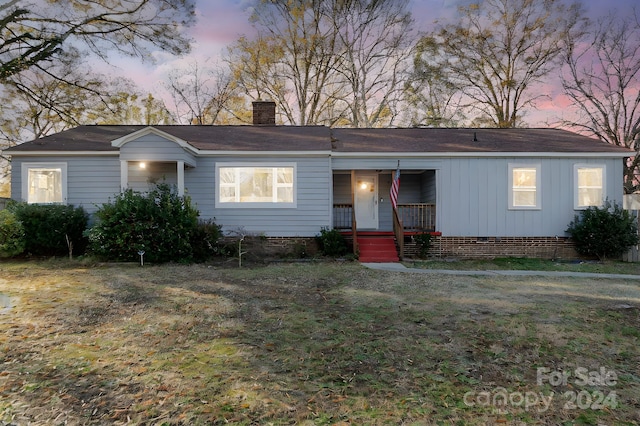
(363, 210)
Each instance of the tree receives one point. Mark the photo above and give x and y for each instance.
(498, 49)
(291, 60)
(374, 40)
(433, 99)
(124, 105)
(201, 95)
(34, 104)
(327, 61)
(33, 33)
(602, 81)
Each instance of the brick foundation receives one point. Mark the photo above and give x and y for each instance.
(441, 246)
(491, 247)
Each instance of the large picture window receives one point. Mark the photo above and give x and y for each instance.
(589, 185)
(524, 186)
(250, 185)
(44, 183)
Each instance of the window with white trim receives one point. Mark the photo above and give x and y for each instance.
(44, 183)
(524, 186)
(589, 185)
(256, 185)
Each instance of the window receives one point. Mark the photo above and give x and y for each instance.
(256, 185)
(44, 183)
(524, 186)
(589, 185)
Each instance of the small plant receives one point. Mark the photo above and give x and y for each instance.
(12, 241)
(52, 229)
(423, 241)
(605, 232)
(332, 242)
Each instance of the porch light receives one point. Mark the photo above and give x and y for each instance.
(363, 185)
(143, 165)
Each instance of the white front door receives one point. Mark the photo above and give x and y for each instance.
(366, 200)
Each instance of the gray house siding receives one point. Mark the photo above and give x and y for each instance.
(312, 212)
(91, 181)
(154, 148)
(474, 193)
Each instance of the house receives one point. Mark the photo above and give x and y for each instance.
(481, 192)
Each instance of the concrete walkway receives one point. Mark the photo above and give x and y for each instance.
(399, 267)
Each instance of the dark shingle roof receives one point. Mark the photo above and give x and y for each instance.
(462, 140)
(320, 138)
(217, 138)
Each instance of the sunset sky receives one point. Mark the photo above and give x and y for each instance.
(221, 22)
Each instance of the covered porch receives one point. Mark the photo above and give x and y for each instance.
(362, 206)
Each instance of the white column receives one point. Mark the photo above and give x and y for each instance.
(180, 178)
(124, 175)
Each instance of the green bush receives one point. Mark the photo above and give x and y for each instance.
(160, 223)
(332, 242)
(204, 240)
(49, 228)
(12, 240)
(423, 241)
(605, 232)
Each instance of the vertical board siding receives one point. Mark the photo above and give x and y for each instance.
(474, 196)
(428, 183)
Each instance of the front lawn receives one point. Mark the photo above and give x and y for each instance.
(317, 343)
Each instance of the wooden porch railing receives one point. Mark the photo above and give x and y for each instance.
(398, 230)
(417, 216)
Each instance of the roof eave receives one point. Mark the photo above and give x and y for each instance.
(483, 154)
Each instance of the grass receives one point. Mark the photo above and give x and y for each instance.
(312, 344)
(516, 263)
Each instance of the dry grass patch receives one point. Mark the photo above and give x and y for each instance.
(309, 344)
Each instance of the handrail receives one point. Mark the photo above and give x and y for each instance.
(354, 229)
(398, 230)
(354, 232)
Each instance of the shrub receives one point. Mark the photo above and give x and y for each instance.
(12, 241)
(160, 223)
(204, 240)
(423, 241)
(49, 228)
(332, 242)
(606, 231)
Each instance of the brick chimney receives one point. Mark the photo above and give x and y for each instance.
(264, 113)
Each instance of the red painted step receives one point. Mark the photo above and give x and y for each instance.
(377, 249)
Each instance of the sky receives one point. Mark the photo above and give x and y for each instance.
(221, 22)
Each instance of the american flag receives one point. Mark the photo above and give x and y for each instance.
(395, 186)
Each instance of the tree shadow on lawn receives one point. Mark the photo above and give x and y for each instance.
(324, 344)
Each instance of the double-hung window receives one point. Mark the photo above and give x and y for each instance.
(524, 186)
(44, 183)
(256, 185)
(589, 182)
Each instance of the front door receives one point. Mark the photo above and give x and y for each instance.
(366, 201)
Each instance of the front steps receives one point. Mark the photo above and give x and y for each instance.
(377, 248)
